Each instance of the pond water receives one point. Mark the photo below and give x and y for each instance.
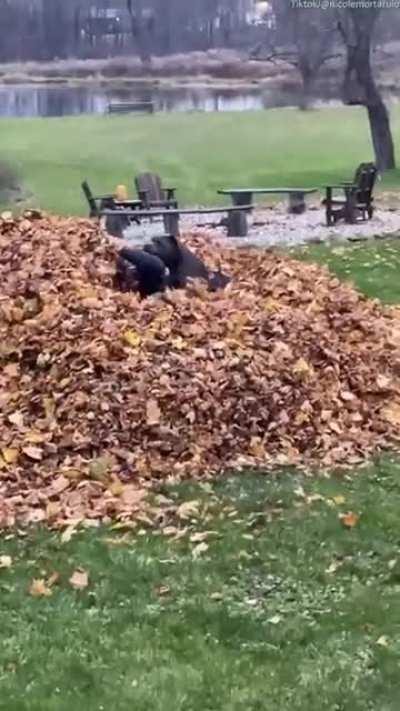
(49, 100)
(45, 100)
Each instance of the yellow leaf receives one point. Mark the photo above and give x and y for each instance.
(73, 474)
(199, 550)
(383, 382)
(17, 419)
(190, 509)
(132, 338)
(179, 343)
(49, 406)
(271, 306)
(301, 418)
(257, 448)
(116, 488)
(383, 641)
(121, 193)
(53, 579)
(170, 531)
(34, 437)
(391, 413)
(39, 588)
(199, 537)
(68, 533)
(79, 580)
(339, 500)
(216, 596)
(153, 412)
(10, 455)
(334, 566)
(52, 509)
(5, 561)
(302, 369)
(100, 467)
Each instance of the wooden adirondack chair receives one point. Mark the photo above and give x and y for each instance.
(96, 202)
(152, 194)
(356, 199)
(118, 222)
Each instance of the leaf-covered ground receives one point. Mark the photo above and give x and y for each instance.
(104, 395)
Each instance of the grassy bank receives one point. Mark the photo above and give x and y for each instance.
(198, 153)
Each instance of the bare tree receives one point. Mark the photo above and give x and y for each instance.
(143, 23)
(356, 27)
(304, 38)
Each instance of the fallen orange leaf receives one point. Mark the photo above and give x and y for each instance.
(79, 580)
(39, 588)
(350, 519)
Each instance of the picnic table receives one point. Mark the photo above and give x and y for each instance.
(244, 196)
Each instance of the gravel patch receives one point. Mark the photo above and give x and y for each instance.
(269, 227)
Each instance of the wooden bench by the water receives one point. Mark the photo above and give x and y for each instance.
(297, 201)
(125, 107)
(236, 217)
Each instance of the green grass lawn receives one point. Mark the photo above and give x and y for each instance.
(286, 610)
(197, 153)
(373, 267)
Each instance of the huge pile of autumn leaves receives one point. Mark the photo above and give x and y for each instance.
(103, 396)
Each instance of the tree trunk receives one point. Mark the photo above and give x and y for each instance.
(381, 135)
(360, 88)
(140, 32)
(307, 81)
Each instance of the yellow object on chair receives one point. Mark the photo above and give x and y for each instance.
(121, 193)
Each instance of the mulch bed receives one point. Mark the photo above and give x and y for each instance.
(103, 396)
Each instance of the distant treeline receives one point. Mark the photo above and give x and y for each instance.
(50, 29)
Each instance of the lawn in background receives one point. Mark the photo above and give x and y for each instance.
(197, 153)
